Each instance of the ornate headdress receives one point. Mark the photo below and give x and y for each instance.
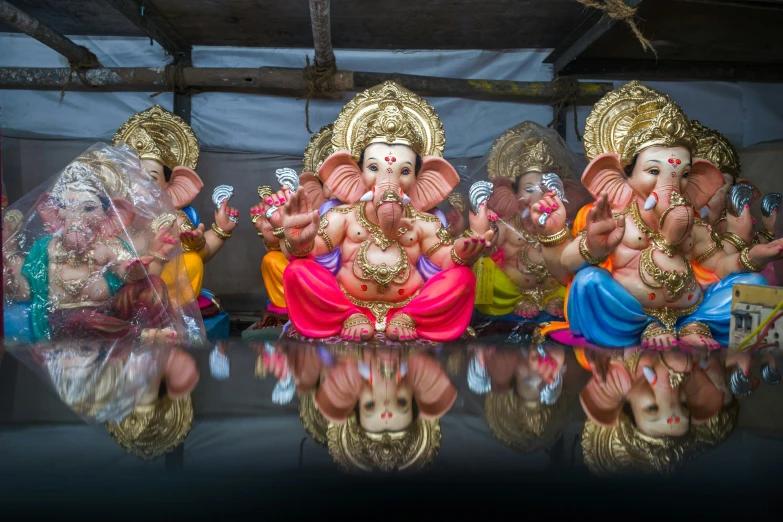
(355, 449)
(714, 147)
(153, 430)
(524, 426)
(318, 149)
(522, 149)
(633, 118)
(94, 171)
(623, 449)
(388, 113)
(160, 135)
(14, 218)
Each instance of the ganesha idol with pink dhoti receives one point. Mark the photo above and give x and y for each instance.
(632, 257)
(391, 267)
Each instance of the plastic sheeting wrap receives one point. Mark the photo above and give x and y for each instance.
(84, 302)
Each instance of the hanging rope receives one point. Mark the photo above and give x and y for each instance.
(320, 82)
(618, 10)
(80, 68)
(174, 78)
(566, 92)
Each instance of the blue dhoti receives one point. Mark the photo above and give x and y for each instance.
(603, 312)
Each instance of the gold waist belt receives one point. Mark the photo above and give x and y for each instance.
(379, 309)
(82, 304)
(537, 296)
(668, 316)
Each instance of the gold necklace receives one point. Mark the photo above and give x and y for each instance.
(656, 237)
(374, 230)
(74, 286)
(675, 378)
(673, 282)
(381, 274)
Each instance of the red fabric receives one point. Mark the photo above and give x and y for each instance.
(317, 307)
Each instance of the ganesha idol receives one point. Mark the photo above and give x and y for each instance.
(169, 151)
(392, 267)
(632, 256)
(522, 163)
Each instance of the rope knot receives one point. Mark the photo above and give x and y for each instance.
(320, 83)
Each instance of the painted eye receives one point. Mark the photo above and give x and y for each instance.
(654, 172)
(374, 168)
(405, 172)
(529, 190)
(652, 408)
(89, 209)
(369, 405)
(685, 175)
(402, 402)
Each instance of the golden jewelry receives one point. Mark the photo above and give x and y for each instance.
(695, 327)
(458, 260)
(457, 200)
(714, 147)
(388, 113)
(676, 200)
(381, 274)
(375, 231)
(676, 379)
(356, 320)
(444, 238)
(535, 296)
(160, 135)
(706, 255)
(747, 263)
(163, 222)
(379, 309)
(733, 239)
(539, 270)
(322, 232)
(673, 282)
(298, 254)
(717, 238)
(219, 232)
(588, 256)
(254, 218)
(279, 233)
(520, 150)
(73, 287)
(654, 330)
(318, 149)
(554, 239)
(766, 234)
(265, 192)
(632, 118)
(94, 172)
(186, 247)
(162, 259)
(270, 248)
(668, 316)
(403, 320)
(469, 234)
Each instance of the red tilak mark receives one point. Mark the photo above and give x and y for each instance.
(678, 162)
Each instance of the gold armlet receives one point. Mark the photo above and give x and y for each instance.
(298, 254)
(326, 239)
(766, 234)
(554, 239)
(469, 234)
(706, 255)
(219, 232)
(734, 239)
(747, 263)
(433, 249)
(695, 327)
(458, 260)
(403, 320)
(279, 233)
(162, 259)
(588, 256)
(270, 248)
(356, 320)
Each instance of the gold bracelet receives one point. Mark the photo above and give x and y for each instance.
(588, 256)
(734, 239)
(159, 257)
(298, 254)
(219, 232)
(279, 233)
(197, 248)
(270, 248)
(458, 260)
(469, 234)
(403, 320)
(766, 234)
(356, 320)
(747, 263)
(554, 239)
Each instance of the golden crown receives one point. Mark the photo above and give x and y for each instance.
(97, 172)
(714, 147)
(523, 149)
(354, 449)
(623, 449)
(632, 118)
(388, 113)
(524, 426)
(318, 149)
(160, 135)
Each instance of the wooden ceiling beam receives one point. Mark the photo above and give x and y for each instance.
(144, 15)
(322, 34)
(672, 70)
(74, 53)
(595, 25)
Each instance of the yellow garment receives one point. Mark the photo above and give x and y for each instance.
(272, 266)
(506, 296)
(195, 268)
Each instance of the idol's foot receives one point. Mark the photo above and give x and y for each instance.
(401, 328)
(527, 310)
(357, 327)
(656, 337)
(159, 336)
(555, 308)
(697, 335)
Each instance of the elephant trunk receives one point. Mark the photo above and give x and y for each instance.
(675, 215)
(389, 208)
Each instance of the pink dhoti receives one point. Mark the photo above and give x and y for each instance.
(317, 306)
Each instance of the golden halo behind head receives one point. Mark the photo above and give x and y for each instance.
(354, 449)
(313, 421)
(525, 148)
(632, 118)
(318, 149)
(388, 113)
(524, 426)
(160, 135)
(714, 147)
(624, 450)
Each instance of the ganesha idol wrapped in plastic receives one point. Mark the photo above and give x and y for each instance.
(391, 266)
(631, 262)
(523, 164)
(83, 298)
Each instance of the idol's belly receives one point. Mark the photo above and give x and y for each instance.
(656, 298)
(368, 289)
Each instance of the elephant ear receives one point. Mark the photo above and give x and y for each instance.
(342, 175)
(119, 216)
(434, 183)
(605, 174)
(704, 398)
(184, 186)
(313, 189)
(432, 388)
(49, 212)
(603, 401)
(181, 374)
(704, 179)
(338, 394)
(504, 200)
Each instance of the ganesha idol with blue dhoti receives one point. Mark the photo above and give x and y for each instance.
(631, 263)
(380, 263)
